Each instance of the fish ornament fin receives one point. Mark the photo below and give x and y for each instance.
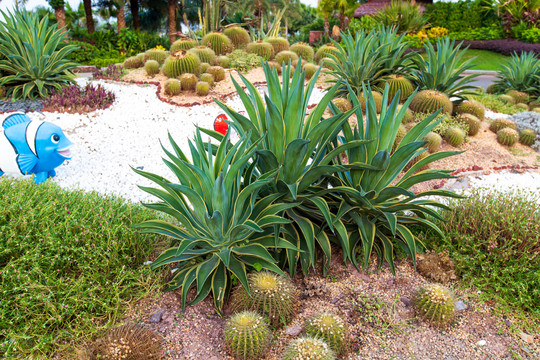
(51, 173)
(1, 173)
(40, 177)
(15, 119)
(27, 162)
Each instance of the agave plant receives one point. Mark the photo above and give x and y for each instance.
(298, 147)
(520, 72)
(442, 67)
(406, 16)
(376, 207)
(35, 59)
(368, 56)
(224, 223)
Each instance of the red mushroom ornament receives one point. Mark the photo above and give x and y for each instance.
(220, 124)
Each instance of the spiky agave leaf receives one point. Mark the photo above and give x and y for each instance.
(225, 226)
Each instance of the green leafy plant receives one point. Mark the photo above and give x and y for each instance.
(36, 61)
(243, 61)
(407, 17)
(493, 103)
(224, 226)
(520, 72)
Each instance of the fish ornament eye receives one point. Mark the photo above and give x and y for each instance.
(55, 138)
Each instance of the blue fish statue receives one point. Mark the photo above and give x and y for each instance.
(31, 147)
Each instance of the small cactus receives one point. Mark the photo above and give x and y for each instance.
(271, 294)
(471, 107)
(188, 81)
(507, 99)
(295, 63)
(330, 328)
(217, 72)
(408, 117)
(527, 137)
(172, 87)
(218, 42)
(310, 70)
(415, 160)
(142, 57)
(429, 101)
(204, 66)
(222, 61)
(435, 303)
(285, 56)
(323, 52)
(279, 44)
(208, 78)
(402, 131)
(204, 53)
(275, 65)
(434, 141)
(308, 348)
(247, 335)
(472, 121)
(454, 136)
(491, 89)
(518, 96)
(183, 44)
(238, 36)
(377, 96)
(157, 55)
(342, 104)
(202, 88)
(507, 136)
(181, 62)
(261, 48)
(3, 92)
(501, 123)
(303, 50)
(397, 82)
(522, 107)
(151, 67)
(132, 63)
(536, 109)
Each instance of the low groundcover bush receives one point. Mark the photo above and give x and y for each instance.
(69, 261)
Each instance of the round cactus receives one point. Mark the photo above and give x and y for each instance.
(507, 99)
(285, 56)
(527, 137)
(436, 304)
(491, 89)
(342, 104)
(434, 141)
(408, 117)
(222, 61)
(181, 62)
(172, 87)
(202, 88)
(415, 160)
(402, 131)
(204, 66)
(157, 55)
(522, 106)
(279, 44)
(308, 348)
(272, 295)
(310, 70)
(303, 50)
(472, 121)
(429, 101)
(536, 109)
(323, 52)
(501, 123)
(183, 44)
(377, 96)
(217, 72)
(208, 78)
(302, 64)
(188, 81)
(238, 36)
(275, 65)
(397, 82)
(471, 107)
(507, 136)
(218, 42)
(204, 53)
(455, 136)
(151, 67)
(518, 96)
(247, 335)
(132, 63)
(330, 328)
(261, 48)
(142, 57)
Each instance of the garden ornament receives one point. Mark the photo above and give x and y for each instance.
(220, 124)
(31, 147)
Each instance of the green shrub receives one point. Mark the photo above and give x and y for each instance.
(484, 33)
(242, 61)
(366, 23)
(462, 15)
(531, 35)
(70, 263)
(492, 102)
(520, 72)
(404, 15)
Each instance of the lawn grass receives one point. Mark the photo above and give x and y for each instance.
(69, 265)
(486, 60)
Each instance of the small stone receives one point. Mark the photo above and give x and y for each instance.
(481, 343)
(460, 306)
(146, 263)
(405, 300)
(140, 167)
(156, 317)
(507, 322)
(293, 330)
(529, 339)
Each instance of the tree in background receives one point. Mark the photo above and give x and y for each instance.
(326, 8)
(90, 25)
(134, 8)
(59, 12)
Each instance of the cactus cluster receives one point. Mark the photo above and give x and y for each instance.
(471, 107)
(323, 52)
(518, 96)
(507, 136)
(501, 123)
(238, 36)
(377, 96)
(527, 137)
(436, 304)
(247, 335)
(275, 65)
(310, 70)
(278, 43)
(308, 348)
(285, 56)
(204, 66)
(271, 295)
(397, 82)
(183, 44)
(303, 50)
(330, 328)
(261, 48)
(157, 55)
(491, 89)
(202, 88)
(218, 42)
(429, 101)
(172, 87)
(507, 99)
(142, 57)
(188, 81)
(222, 61)
(151, 67)
(472, 121)
(132, 63)
(181, 62)
(522, 106)
(434, 141)
(455, 136)
(204, 53)
(207, 78)
(342, 104)
(217, 72)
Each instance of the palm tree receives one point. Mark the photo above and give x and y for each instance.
(134, 8)
(90, 25)
(172, 19)
(59, 13)
(121, 14)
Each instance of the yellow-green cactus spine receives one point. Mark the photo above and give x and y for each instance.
(434, 141)
(172, 87)
(518, 96)
(181, 62)
(183, 44)
(429, 101)
(402, 131)
(343, 104)
(279, 44)
(222, 61)
(377, 96)
(132, 63)
(310, 70)
(408, 117)
(303, 50)
(436, 304)
(204, 53)
(471, 107)
(157, 55)
(261, 48)
(397, 82)
(507, 136)
(238, 36)
(275, 65)
(472, 121)
(455, 136)
(323, 52)
(188, 81)
(218, 42)
(501, 123)
(527, 137)
(507, 99)
(208, 78)
(247, 335)
(151, 67)
(522, 106)
(285, 56)
(491, 89)
(330, 328)
(308, 348)
(204, 66)
(217, 72)
(202, 88)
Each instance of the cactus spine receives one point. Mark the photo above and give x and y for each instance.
(202, 88)
(275, 65)
(454, 136)
(132, 63)
(429, 101)
(222, 61)
(208, 78)
(247, 335)
(157, 55)
(330, 328)
(172, 87)
(507, 99)
(205, 54)
(434, 141)
(310, 70)
(501, 123)
(308, 348)
(204, 66)
(323, 52)
(261, 48)
(377, 96)
(397, 82)
(238, 36)
(285, 56)
(507, 136)
(188, 81)
(471, 107)
(402, 131)
(279, 44)
(303, 50)
(408, 117)
(151, 67)
(181, 62)
(342, 104)
(518, 96)
(217, 72)
(472, 121)
(218, 42)
(527, 137)
(183, 44)
(522, 106)
(436, 304)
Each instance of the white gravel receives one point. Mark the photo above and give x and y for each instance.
(108, 142)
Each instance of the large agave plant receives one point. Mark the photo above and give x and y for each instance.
(520, 72)
(375, 207)
(441, 69)
(35, 58)
(224, 225)
(298, 147)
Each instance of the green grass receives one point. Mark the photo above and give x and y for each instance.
(69, 265)
(494, 239)
(486, 60)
